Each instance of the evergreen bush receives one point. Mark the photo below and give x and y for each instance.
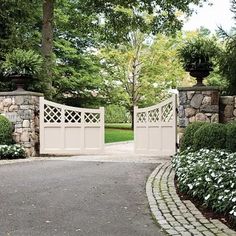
(211, 136)
(5, 131)
(231, 137)
(187, 140)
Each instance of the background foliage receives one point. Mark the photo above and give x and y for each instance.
(116, 114)
(81, 29)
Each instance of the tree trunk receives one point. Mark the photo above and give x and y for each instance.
(47, 42)
(135, 74)
(132, 117)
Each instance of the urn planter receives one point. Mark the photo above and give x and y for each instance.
(20, 81)
(21, 65)
(199, 75)
(197, 56)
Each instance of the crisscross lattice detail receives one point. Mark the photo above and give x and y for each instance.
(52, 114)
(153, 115)
(141, 117)
(167, 112)
(92, 118)
(72, 116)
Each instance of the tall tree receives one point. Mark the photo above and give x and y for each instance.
(104, 20)
(141, 73)
(117, 21)
(76, 75)
(228, 57)
(19, 25)
(47, 42)
(19, 28)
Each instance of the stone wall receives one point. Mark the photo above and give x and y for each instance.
(197, 104)
(227, 109)
(22, 109)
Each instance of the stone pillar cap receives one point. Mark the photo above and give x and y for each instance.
(200, 88)
(21, 93)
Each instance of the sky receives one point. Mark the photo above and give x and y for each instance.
(211, 16)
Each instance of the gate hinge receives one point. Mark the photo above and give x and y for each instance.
(177, 110)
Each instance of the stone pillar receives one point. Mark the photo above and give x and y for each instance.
(22, 109)
(198, 104)
(227, 109)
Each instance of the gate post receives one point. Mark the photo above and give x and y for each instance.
(22, 109)
(102, 127)
(135, 126)
(197, 104)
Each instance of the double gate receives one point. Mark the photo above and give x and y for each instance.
(69, 130)
(155, 128)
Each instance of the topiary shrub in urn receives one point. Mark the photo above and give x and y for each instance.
(21, 65)
(197, 56)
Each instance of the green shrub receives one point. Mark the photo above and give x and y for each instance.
(198, 53)
(14, 151)
(231, 137)
(5, 131)
(187, 140)
(210, 135)
(116, 114)
(22, 62)
(208, 175)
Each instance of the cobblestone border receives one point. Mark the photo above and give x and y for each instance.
(178, 217)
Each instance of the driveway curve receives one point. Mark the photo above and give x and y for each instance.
(71, 197)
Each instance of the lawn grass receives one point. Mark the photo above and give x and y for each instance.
(118, 135)
(118, 125)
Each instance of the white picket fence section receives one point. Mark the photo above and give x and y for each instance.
(69, 130)
(155, 128)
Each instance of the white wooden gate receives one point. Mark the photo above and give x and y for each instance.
(69, 130)
(155, 128)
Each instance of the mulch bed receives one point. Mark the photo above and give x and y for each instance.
(207, 212)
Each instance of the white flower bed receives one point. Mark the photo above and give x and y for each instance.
(210, 176)
(12, 151)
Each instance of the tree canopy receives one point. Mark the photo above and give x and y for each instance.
(80, 29)
(227, 66)
(141, 73)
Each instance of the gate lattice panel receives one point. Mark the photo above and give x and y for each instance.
(70, 130)
(155, 128)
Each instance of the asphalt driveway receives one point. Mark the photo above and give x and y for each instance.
(66, 197)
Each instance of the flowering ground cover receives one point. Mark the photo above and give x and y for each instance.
(210, 177)
(13, 151)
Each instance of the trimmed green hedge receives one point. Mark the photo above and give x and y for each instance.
(210, 135)
(5, 131)
(187, 140)
(231, 136)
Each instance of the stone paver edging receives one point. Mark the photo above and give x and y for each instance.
(178, 217)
